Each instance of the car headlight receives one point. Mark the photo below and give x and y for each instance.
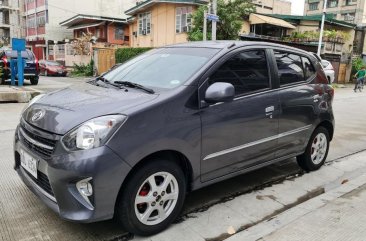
(93, 133)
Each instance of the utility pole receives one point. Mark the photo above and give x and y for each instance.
(205, 25)
(322, 27)
(214, 8)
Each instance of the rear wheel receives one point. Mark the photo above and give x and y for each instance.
(316, 151)
(34, 80)
(152, 198)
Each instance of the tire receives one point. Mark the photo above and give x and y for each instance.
(318, 146)
(34, 81)
(129, 210)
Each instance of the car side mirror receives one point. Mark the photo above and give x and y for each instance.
(219, 92)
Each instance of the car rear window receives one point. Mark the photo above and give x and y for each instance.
(14, 54)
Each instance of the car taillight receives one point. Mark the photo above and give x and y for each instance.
(37, 64)
(321, 78)
(330, 90)
(5, 60)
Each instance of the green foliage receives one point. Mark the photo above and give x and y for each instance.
(357, 64)
(124, 54)
(231, 13)
(83, 69)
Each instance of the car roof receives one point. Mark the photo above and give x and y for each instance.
(230, 44)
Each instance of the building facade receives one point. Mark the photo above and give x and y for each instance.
(273, 6)
(352, 11)
(43, 17)
(10, 21)
(157, 23)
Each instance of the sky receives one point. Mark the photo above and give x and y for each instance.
(297, 7)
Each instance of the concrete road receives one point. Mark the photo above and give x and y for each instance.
(24, 217)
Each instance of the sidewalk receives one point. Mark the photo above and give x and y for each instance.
(336, 215)
(300, 208)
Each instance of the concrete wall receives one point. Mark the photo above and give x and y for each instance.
(162, 27)
(273, 6)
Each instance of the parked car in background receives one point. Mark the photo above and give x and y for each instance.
(52, 68)
(31, 68)
(328, 70)
(131, 143)
(327, 67)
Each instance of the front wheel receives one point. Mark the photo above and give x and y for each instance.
(34, 80)
(152, 198)
(316, 151)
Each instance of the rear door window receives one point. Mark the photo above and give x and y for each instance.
(246, 71)
(308, 67)
(290, 68)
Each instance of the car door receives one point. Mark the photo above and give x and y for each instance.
(298, 98)
(241, 133)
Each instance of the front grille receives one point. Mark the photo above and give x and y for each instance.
(38, 144)
(42, 181)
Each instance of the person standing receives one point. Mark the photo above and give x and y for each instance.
(360, 77)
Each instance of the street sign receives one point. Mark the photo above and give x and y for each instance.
(17, 64)
(18, 44)
(212, 17)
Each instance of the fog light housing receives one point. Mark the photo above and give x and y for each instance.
(85, 189)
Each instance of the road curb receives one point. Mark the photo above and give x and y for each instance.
(17, 94)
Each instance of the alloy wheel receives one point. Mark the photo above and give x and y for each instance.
(156, 198)
(319, 148)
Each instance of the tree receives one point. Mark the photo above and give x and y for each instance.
(231, 13)
(81, 45)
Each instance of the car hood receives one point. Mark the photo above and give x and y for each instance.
(62, 110)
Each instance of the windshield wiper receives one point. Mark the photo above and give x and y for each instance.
(105, 81)
(135, 85)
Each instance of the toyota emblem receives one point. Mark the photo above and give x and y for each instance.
(38, 115)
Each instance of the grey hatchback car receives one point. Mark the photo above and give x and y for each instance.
(131, 143)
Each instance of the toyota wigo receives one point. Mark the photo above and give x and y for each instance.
(131, 143)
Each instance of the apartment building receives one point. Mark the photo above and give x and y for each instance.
(273, 6)
(352, 11)
(10, 21)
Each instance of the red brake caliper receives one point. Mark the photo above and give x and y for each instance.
(143, 192)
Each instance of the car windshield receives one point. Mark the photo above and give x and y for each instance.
(165, 68)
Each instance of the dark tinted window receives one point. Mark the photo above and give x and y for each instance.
(290, 68)
(247, 71)
(308, 67)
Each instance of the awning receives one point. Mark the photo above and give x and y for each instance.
(260, 19)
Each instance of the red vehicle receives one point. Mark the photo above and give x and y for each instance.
(52, 68)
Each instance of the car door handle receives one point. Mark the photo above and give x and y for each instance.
(270, 109)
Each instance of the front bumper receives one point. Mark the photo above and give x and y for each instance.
(63, 170)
